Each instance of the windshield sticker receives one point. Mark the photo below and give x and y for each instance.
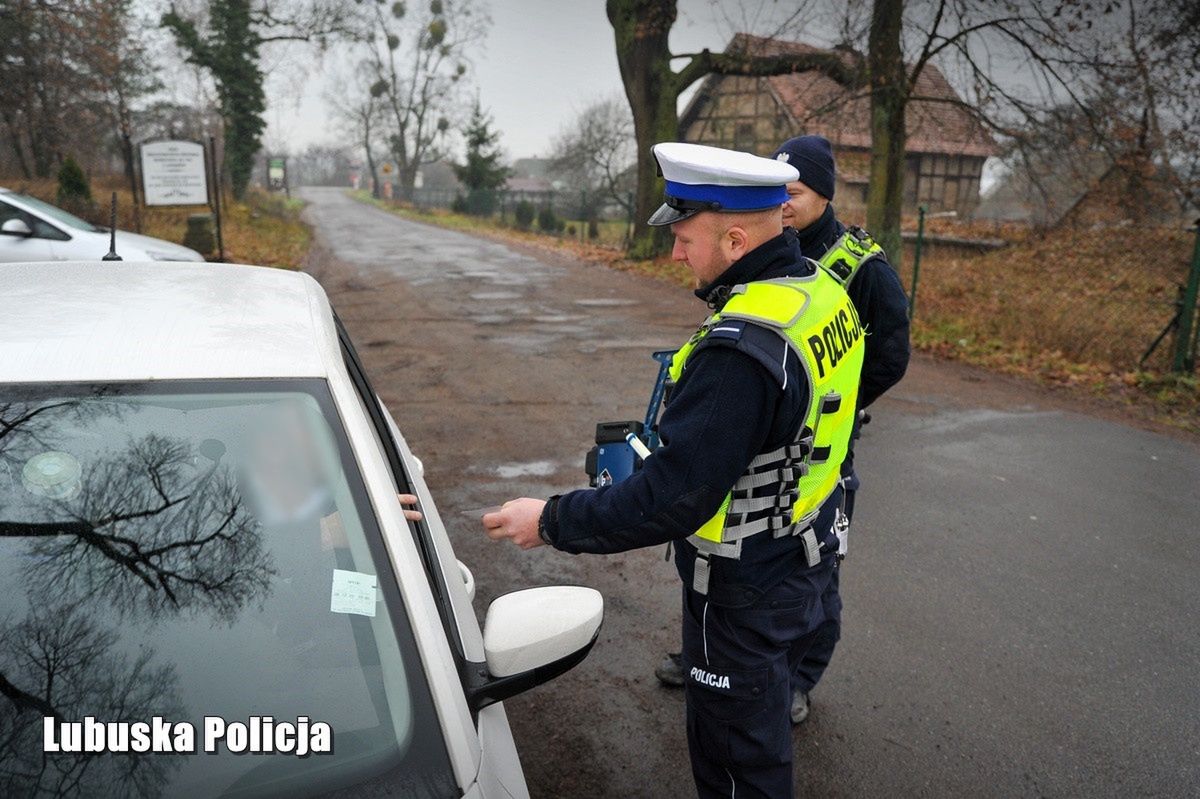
(55, 475)
(353, 592)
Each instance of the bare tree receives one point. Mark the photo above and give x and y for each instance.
(41, 84)
(69, 68)
(122, 66)
(418, 60)
(652, 86)
(596, 153)
(981, 41)
(360, 115)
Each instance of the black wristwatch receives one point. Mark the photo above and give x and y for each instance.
(551, 504)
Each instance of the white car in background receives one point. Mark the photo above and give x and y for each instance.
(32, 230)
(199, 518)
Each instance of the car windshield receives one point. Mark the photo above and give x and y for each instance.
(57, 214)
(192, 550)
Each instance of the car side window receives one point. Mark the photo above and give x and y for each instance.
(45, 230)
(430, 556)
(41, 229)
(7, 212)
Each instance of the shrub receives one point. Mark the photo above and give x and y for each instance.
(459, 206)
(593, 229)
(524, 214)
(549, 222)
(481, 202)
(74, 193)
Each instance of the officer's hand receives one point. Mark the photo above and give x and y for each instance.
(517, 520)
(412, 515)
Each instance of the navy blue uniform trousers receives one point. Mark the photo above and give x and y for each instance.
(738, 664)
(809, 666)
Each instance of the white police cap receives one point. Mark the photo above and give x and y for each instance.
(701, 178)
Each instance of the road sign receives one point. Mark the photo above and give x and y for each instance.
(174, 173)
(277, 174)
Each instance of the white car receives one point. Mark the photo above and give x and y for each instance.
(199, 528)
(32, 230)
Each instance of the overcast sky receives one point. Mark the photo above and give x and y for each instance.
(543, 61)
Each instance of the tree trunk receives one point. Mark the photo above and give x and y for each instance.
(885, 194)
(641, 28)
(17, 148)
(408, 180)
(375, 190)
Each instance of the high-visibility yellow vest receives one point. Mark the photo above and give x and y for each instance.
(782, 491)
(852, 249)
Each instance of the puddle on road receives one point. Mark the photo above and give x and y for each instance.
(554, 319)
(509, 471)
(604, 302)
(507, 279)
(495, 295)
(526, 341)
(570, 330)
(493, 319)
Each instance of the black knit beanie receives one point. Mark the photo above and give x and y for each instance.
(812, 157)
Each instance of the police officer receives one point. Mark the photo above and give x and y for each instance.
(875, 289)
(883, 308)
(746, 479)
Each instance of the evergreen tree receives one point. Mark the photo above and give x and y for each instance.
(74, 193)
(482, 173)
(231, 53)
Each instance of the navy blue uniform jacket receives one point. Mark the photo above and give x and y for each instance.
(744, 392)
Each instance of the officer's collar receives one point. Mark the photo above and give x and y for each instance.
(820, 235)
(777, 257)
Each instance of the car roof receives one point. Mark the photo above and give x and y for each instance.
(117, 321)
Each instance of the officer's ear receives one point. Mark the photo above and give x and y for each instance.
(736, 242)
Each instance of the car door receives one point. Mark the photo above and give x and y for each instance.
(499, 772)
(42, 244)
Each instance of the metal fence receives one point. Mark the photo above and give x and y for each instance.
(564, 212)
(566, 203)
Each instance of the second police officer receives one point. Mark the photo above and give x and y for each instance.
(878, 297)
(747, 479)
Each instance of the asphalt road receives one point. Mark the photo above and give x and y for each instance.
(1022, 611)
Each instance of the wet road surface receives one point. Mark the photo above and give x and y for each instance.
(1022, 602)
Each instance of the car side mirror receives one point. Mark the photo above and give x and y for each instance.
(531, 637)
(16, 227)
